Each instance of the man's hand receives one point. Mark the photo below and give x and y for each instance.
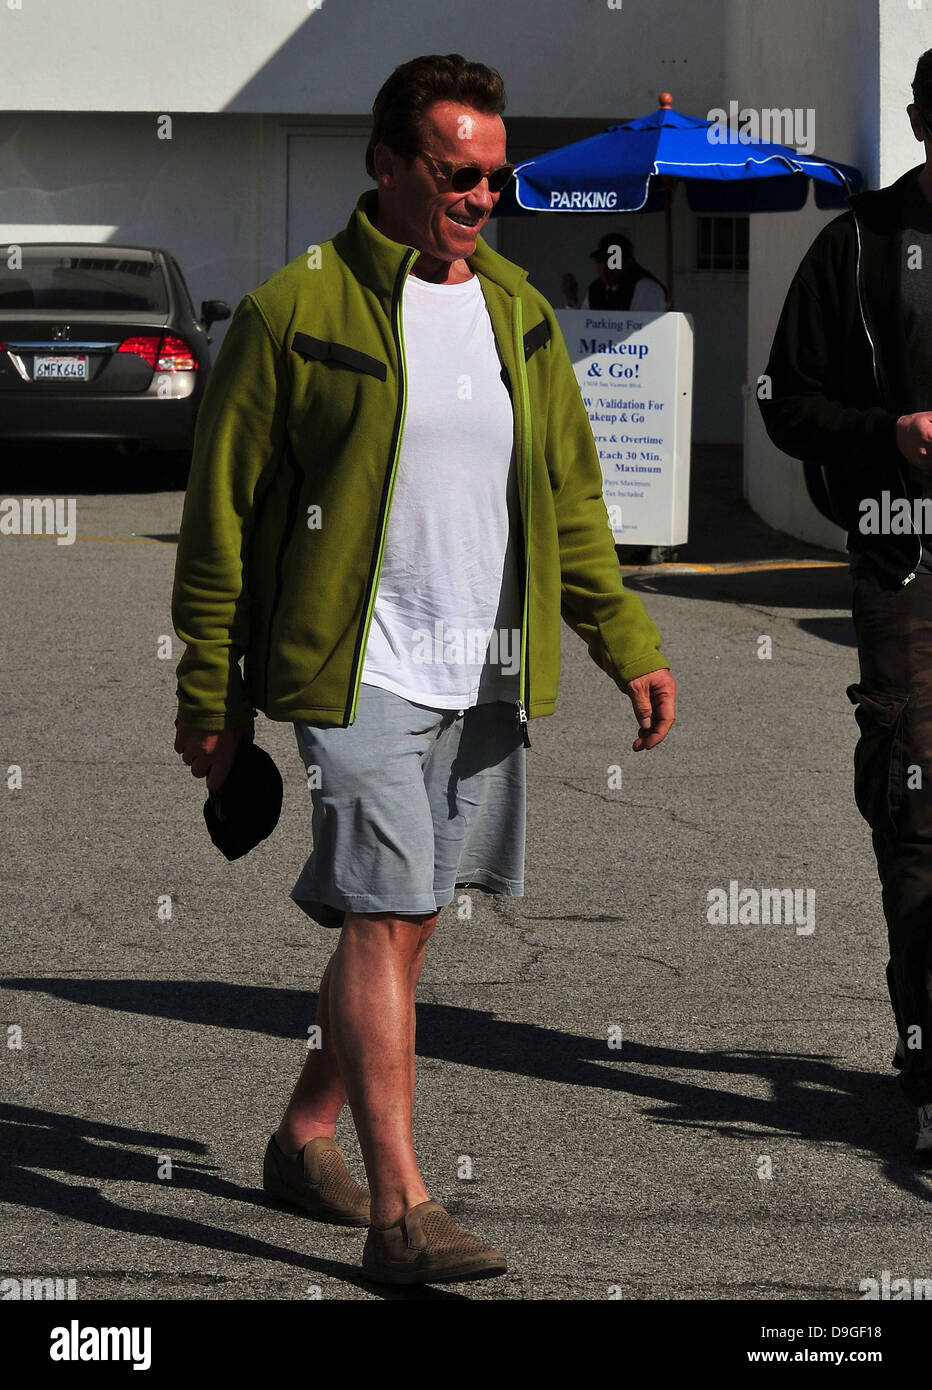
(570, 287)
(654, 699)
(207, 754)
(914, 438)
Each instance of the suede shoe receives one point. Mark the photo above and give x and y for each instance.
(318, 1181)
(427, 1247)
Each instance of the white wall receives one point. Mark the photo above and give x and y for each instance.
(904, 34)
(770, 69)
(326, 174)
(216, 195)
(79, 157)
(331, 56)
(233, 197)
(854, 69)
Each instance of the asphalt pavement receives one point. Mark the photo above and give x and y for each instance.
(628, 1098)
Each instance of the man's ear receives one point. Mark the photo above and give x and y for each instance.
(915, 120)
(384, 165)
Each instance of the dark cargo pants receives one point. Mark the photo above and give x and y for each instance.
(893, 790)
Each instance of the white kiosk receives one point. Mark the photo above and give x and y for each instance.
(635, 372)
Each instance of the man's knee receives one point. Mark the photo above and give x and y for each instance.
(428, 926)
(404, 934)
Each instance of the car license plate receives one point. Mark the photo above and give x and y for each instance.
(60, 369)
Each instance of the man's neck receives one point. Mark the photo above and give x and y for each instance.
(925, 181)
(441, 272)
(425, 267)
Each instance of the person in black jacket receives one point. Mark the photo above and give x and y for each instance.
(848, 389)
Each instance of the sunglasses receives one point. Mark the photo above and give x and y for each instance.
(463, 177)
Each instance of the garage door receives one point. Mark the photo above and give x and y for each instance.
(326, 174)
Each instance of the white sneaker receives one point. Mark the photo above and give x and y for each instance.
(924, 1137)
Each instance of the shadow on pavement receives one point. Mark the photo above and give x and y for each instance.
(42, 1139)
(77, 469)
(722, 527)
(838, 630)
(789, 588)
(724, 531)
(811, 1096)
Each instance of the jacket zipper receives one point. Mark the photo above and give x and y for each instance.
(291, 511)
(880, 394)
(375, 567)
(525, 427)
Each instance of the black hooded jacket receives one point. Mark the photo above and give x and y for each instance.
(838, 377)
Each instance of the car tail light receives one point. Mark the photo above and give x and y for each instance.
(165, 353)
(175, 355)
(146, 348)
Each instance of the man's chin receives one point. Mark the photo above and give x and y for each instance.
(461, 233)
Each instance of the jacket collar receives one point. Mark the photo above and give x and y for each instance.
(880, 218)
(375, 260)
(881, 209)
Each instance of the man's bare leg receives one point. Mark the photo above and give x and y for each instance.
(366, 1012)
(427, 928)
(319, 1094)
(372, 1021)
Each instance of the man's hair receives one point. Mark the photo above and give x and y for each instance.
(417, 84)
(922, 86)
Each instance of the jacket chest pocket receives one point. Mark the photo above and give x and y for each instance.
(340, 354)
(337, 391)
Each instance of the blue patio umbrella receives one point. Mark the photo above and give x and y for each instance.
(633, 167)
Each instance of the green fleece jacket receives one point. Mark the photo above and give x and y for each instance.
(289, 498)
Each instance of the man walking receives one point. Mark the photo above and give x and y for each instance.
(850, 383)
(394, 495)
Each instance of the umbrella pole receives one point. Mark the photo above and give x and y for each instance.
(668, 231)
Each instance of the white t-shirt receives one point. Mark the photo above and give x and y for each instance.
(446, 627)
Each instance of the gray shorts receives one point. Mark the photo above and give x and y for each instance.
(409, 804)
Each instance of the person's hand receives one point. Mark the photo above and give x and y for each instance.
(569, 286)
(654, 699)
(914, 438)
(208, 754)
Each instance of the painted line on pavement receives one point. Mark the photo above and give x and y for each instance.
(113, 540)
(674, 567)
